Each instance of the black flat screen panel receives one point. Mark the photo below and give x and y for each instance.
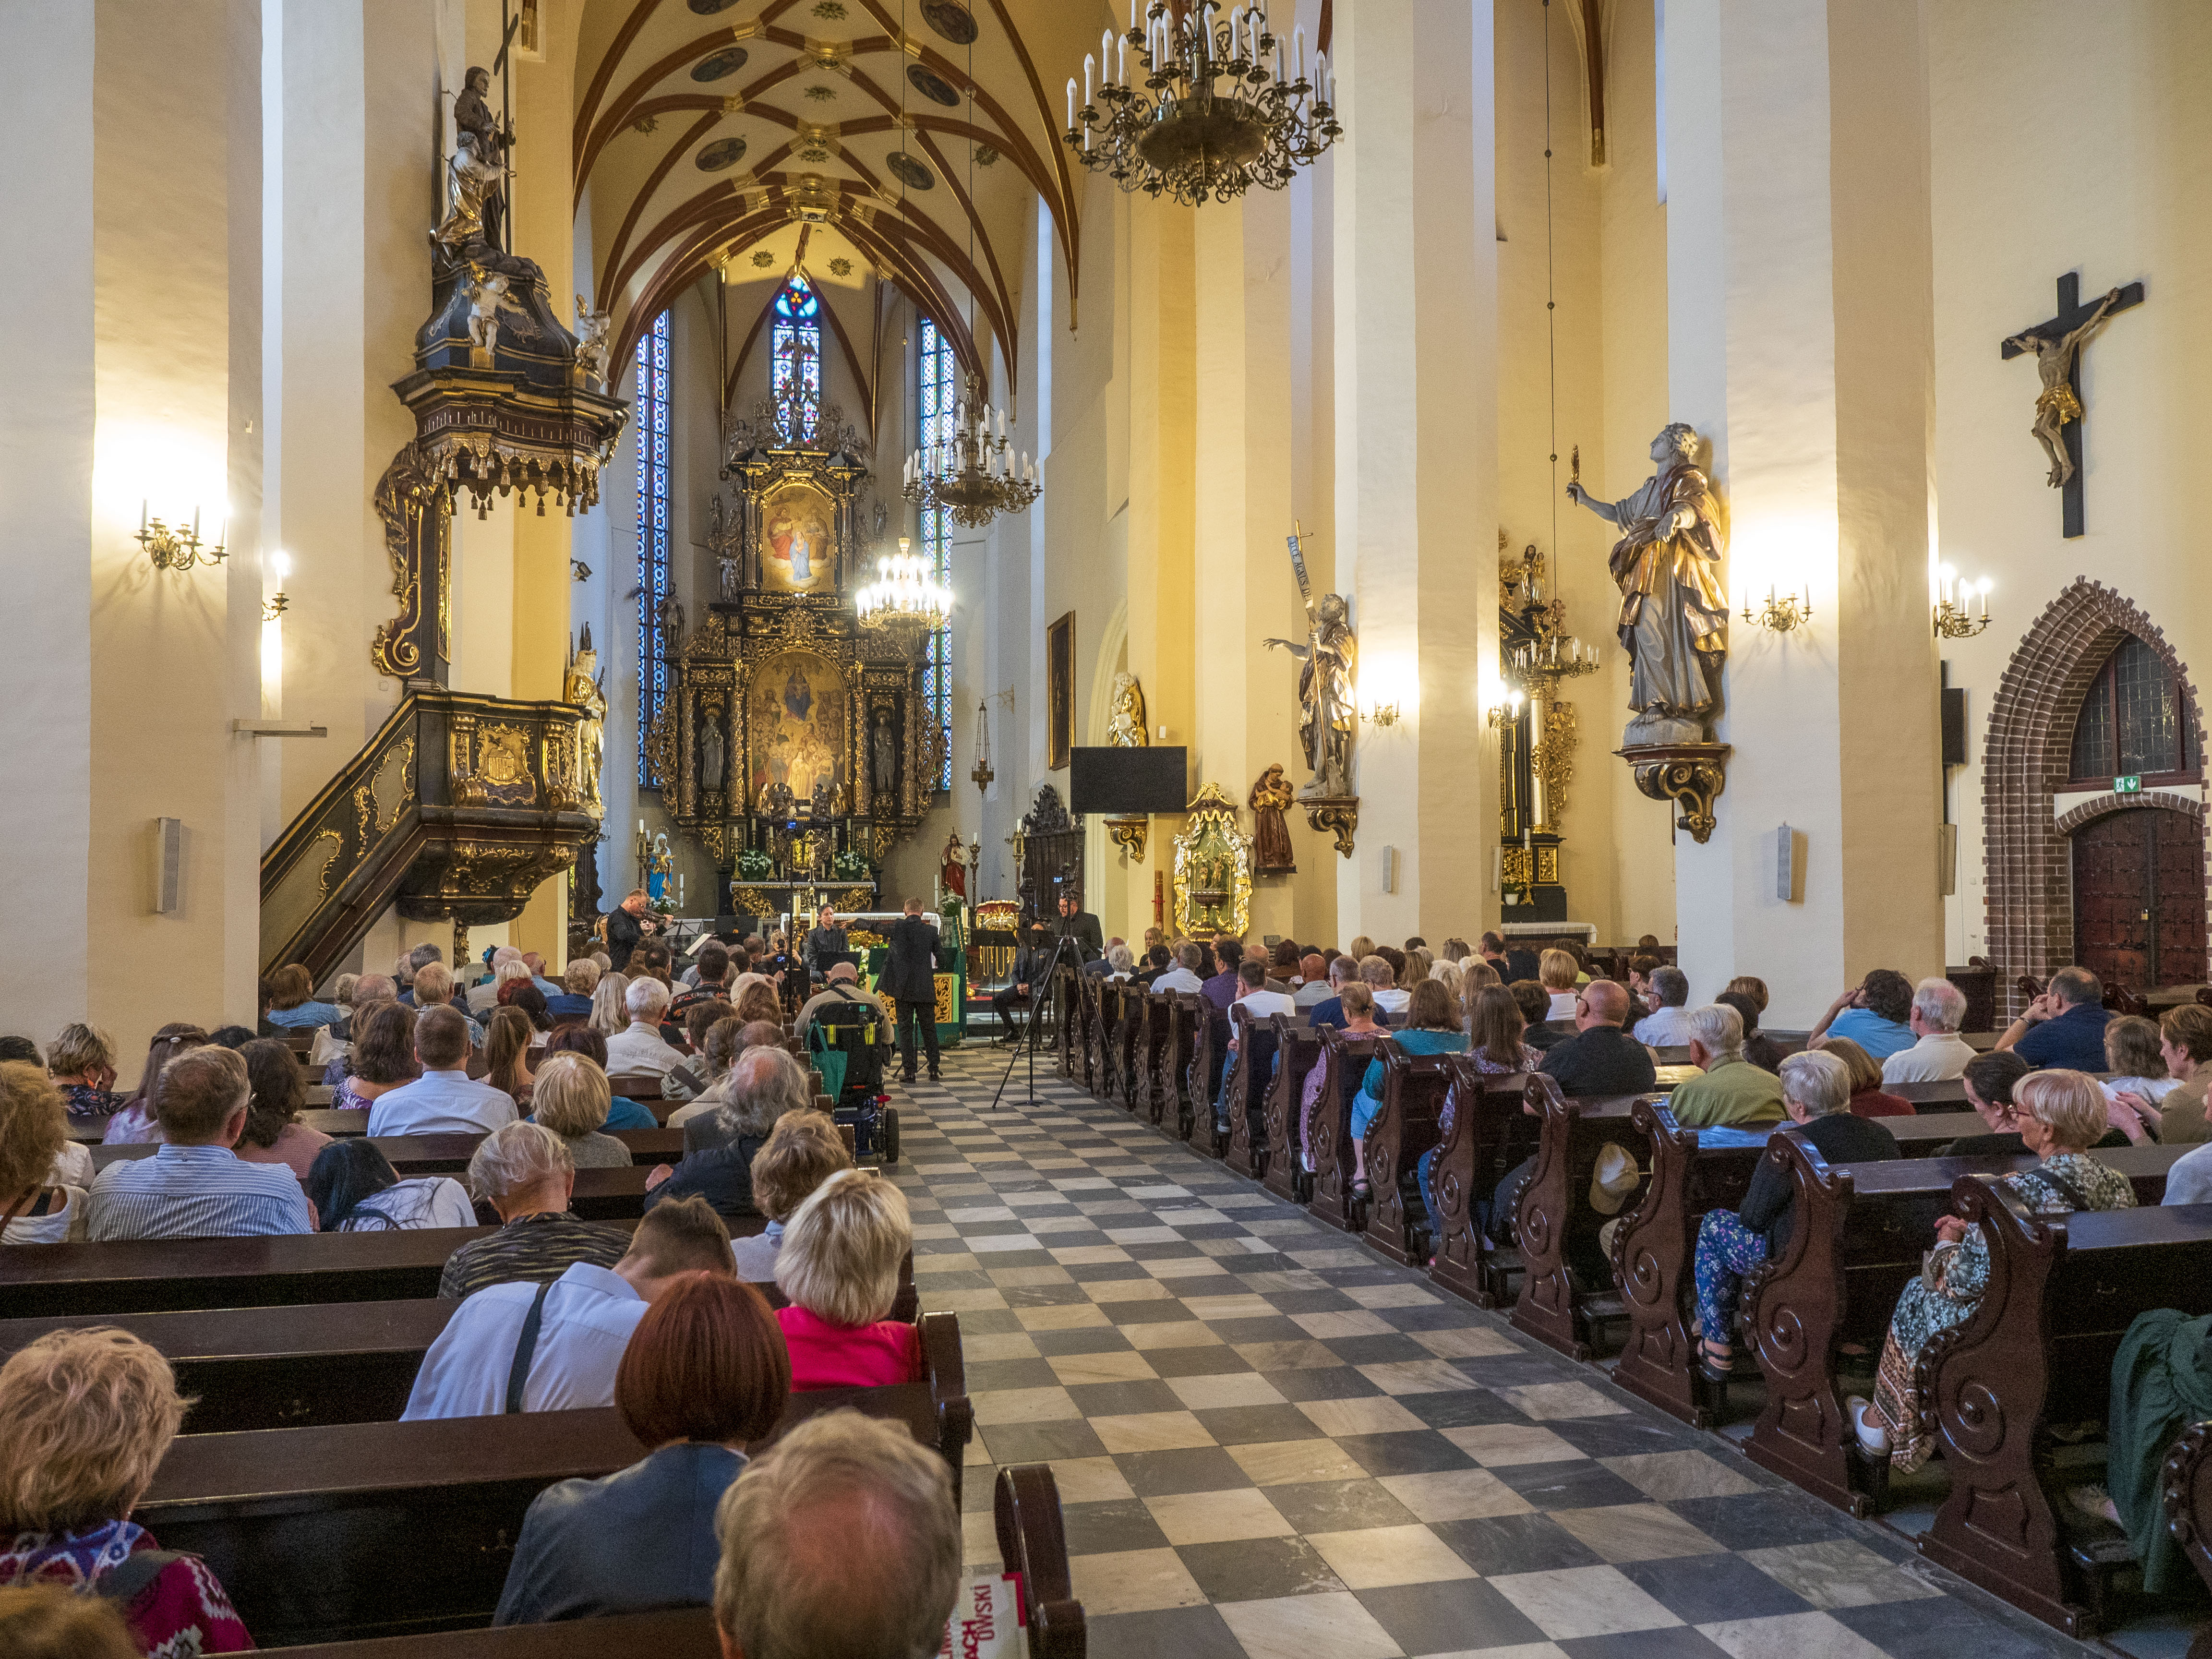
(1128, 780)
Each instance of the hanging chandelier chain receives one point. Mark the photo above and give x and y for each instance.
(1204, 115)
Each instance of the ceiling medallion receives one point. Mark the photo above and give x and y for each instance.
(905, 601)
(1208, 116)
(728, 61)
(951, 20)
(763, 259)
(973, 475)
(721, 154)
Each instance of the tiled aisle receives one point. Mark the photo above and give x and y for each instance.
(1272, 1444)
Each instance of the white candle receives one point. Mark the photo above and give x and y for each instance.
(1105, 50)
(1071, 103)
(1121, 60)
(1298, 37)
(1089, 68)
(1136, 15)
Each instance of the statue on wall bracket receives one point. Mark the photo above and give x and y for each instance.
(1673, 625)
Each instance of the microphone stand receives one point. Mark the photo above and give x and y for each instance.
(1065, 942)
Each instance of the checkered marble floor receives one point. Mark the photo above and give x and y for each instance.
(1272, 1444)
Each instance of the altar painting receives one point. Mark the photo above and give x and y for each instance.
(798, 546)
(796, 725)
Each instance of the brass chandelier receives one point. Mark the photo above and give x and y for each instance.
(1207, 117)
(906, 600)
(975, 474)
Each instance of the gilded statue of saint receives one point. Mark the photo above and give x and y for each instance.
(1674, 616)
(1127, 728)
(580, 687)
(1324, 706)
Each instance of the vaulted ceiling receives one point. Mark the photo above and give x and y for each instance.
(886, 146)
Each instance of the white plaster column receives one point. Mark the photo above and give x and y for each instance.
(1800, 347)
(1415, 333)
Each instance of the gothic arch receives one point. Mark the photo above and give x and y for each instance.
(2026, 755)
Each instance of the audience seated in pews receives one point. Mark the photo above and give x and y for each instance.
(1873, 1014)
(1190, 962)
(1667, 1025)
(1869, 1098)
(508, 1038)
(1314, 986)
(1640, 990)
(571, 1098)
(704, 1375)
(839, 1489)
(764, 1083)
(1495, 1027)
(380, 1058)
(1939, 1054)
(2185, 1044)
(1816, 1093)
(1252, 991)
(1432, 1027)
(718, 1047)
(1381, 975)
(839, 1265)
(2063, 1027)
(195, 1186)
(274, 1133)
(2161, 1384)
(483, 993)
(83, 1063)
(802, 1152)
(1760, 1049)
(554, 1345)
(524, 1172)
(2134, 1060)
(355, 1189)
(841, 989)
(2061, 1115)
(1557, 971)
(89, 1415)
(133, 1123)
(573, 1002)
(525, 998)
(444, 1099)
(712, 984)
(1535, 1005)
(1600, 1058)
(622, 1112)
(1343, 970)
(434, 988)
(1221, 989)
(641, 1047)
(59, 1624)
(43, 1197)
(1121, 962)
(610, 1005)
(292, 1004)
(1733, 1094)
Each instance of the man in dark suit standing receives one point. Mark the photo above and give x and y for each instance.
(909, 979)
(1080, 925)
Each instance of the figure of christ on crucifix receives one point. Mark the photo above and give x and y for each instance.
(2057, 346)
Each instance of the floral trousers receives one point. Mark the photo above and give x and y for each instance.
(1726, 1250)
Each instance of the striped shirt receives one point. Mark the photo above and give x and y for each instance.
(195, 1192)
(530, 1249)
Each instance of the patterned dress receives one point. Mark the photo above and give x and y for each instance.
(181, 1613)
(1961, 1277)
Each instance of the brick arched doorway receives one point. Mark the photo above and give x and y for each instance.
(2027, 856)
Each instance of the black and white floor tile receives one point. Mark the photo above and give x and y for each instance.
(1272, 1444)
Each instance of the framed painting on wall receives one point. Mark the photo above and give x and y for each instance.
(1059, 691)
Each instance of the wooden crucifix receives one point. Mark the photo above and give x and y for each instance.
(2058, 413)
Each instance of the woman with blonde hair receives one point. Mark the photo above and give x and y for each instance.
(839, 1264)
(571, 1098)
(42, 1199)
(90, 1415)
(610, 1012)
(804, 1150)
(2060, 1114)
(1557, 971)
(507, 1038)
(81, 1063)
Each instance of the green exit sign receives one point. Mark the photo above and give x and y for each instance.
(2130, 785)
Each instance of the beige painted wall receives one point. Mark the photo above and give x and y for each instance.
(2019, 200)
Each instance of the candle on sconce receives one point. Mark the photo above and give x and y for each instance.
(1089, 70)
(1071, 103)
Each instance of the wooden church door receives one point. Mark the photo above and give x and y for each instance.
(2139, 902)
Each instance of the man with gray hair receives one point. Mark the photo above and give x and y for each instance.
(764, 1083)
(839, 1488)
(416, 960)
(641, 1048)
(1733, 1094)
(1939, 1008)
(1667, 1026)
(1188, 973)
(1816, 1093)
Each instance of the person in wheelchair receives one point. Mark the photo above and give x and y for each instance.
(842, 989)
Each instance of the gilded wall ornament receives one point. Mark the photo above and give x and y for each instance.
(1213, 869)
(1127, 729)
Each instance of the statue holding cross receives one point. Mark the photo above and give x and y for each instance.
(2057, 346)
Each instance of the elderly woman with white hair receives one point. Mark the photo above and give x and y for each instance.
(839, 1265)
(1121, 962)
(1733, 1094)
(571, 1098)
(523, 1171)
(1816, 1093)
(641, 1047)
(2060, 1114)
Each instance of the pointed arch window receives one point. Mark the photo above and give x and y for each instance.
(936, 401)
(2135, 722)
(652, 539)
(795, 353)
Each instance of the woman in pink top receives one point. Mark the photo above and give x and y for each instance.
(274, 1133)
(839, 1264)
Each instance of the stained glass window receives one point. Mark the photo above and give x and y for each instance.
(796, 355)
(937, 403)
(2131, 722)
(651, 413)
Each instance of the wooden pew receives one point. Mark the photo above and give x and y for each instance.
(1344, 1064)
(1175, 1052)
(155, 1275)
(1413, 1088)
(1125, 1048)
(1491, 1134)
(1154, 1093)
(2188, 1496)
(1947, 1096)
(1859, 1235)
(386, 1528)
(449, 1154)
(1032, 1542)
(1297, 1050)
(1106, 1003)
(1208, 1075)
(2037, 1350)
(1653, 1251)
(1246, 1087)
(1556, 1222)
